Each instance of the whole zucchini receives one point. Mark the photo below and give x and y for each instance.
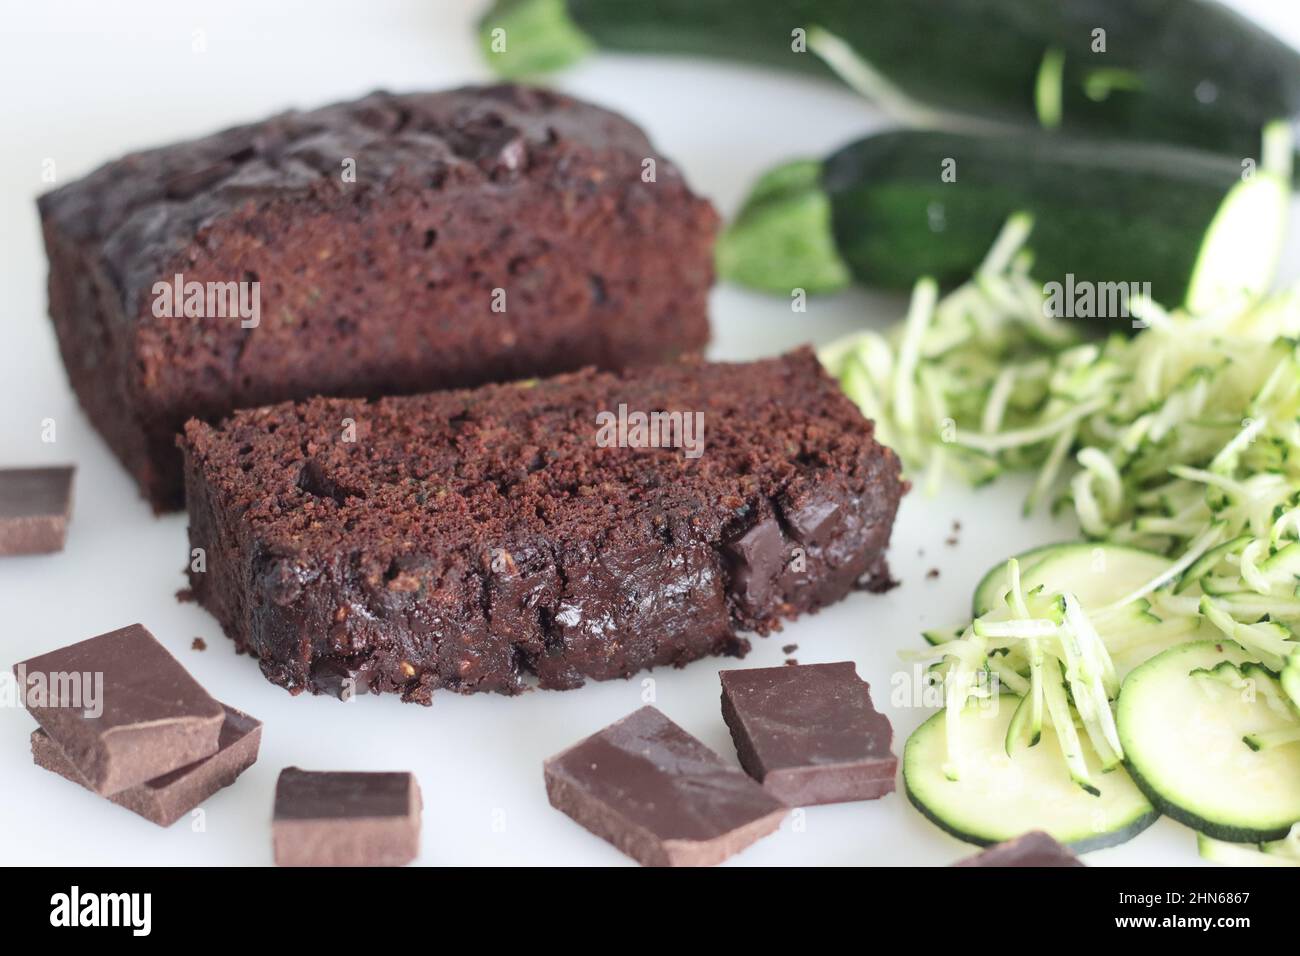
(896, 206)
(1190, 72)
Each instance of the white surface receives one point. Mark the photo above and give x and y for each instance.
(86, 81)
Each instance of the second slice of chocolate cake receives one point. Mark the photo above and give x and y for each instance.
(468, 539)
(392, 245)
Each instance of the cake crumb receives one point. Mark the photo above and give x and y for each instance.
(789, 648)
(198, 644)
(791, 662)
(878, 580)
(931, 574)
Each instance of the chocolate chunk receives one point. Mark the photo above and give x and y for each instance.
(34, 507)
(813, 519)
(758, 558)
(166, 799)
(658, 794)
(338, 678)
(1031, 849)
(121, 708)
(878, 580)
(489, 141)
(809, 732)
(346, 819)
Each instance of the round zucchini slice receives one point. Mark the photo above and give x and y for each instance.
(1097, 573)
(997, 797)
(1184, 738)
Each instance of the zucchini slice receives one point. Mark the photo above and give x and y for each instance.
(1184, 738)
(998, 797)
(994, 585)
(1097, 574)
(1277, 853)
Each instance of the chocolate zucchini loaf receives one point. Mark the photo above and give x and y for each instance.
(392, 245)
(467, 539)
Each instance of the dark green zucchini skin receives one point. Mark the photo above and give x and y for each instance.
(1103, 211)
(1101, 841)
(1194, 72)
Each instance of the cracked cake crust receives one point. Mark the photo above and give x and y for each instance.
(380, 285)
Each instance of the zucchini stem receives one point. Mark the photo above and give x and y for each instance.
(782, 240)
(522, 38)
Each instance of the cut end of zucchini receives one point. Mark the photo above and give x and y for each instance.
(781, 239)
(522, 38)
(1239, 256)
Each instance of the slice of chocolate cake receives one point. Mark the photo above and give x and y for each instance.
(466, 539)
(391, 245)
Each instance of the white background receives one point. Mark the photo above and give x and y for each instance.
(84, 82)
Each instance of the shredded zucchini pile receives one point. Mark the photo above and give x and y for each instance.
(1183, 439)
(984, 381)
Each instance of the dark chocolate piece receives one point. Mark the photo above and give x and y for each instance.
(35, 504)
(809, 732)
(121, 708)
(394, 244)
(166, 799)
(659, 795)
(464, 540)
(346, 819)
(1030, 849)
